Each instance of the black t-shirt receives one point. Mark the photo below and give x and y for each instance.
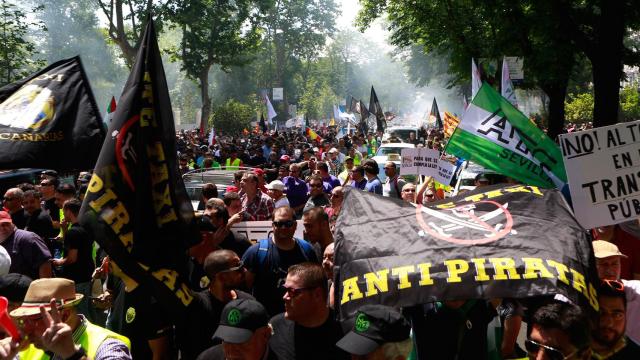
(631, 351)
(201, 321)
(291, 341)
(271, 274)
(438, 330)
(40, 223)
(138, 316)
(217, 353)
(52, 209)
(20, 218)
(78, 238)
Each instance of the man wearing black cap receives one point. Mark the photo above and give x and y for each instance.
(308, 328)
(244, 330)
(226, 274)
(379, 333)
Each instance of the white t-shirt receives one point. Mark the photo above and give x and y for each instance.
(283, 201)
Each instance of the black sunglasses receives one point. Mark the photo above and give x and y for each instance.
(286, 223)
(533, 348)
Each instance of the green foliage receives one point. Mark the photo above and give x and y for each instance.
(579, 108)
(16, 50)
(630, 103)
(232, 116)
(73, 29)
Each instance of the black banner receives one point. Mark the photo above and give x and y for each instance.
(435, 115)
(50, 120)
(136, 206)
(516, 242)
(376, 109)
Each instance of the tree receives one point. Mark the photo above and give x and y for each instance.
(496, 28)
(17, 51)
(127, 20)
(73, 29)
(296, 31)
(232, 117)
(579, 108)
(214, 32)
(630, 103)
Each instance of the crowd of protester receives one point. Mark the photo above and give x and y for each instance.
(274, 299)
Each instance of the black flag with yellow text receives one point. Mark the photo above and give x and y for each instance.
(136, 206)
(495, 242)
(50, 120)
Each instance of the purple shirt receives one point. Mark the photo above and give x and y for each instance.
(296, 190)
(27, 252)
(359, 184)
(331, 181)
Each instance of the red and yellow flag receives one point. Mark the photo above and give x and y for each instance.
(450, 124)
(312, 134)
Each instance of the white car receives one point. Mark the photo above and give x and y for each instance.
(393, 150)
(466, 176)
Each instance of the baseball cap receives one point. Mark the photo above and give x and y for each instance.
(5, 217)
(374, 325)
(333, 151)
(14, 286)
(285, 158)
(276, 185)
(258, 172)
(604, 249)
(239, 319)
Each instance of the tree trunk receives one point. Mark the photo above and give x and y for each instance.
(556, 93)
(606, 62)
(204, 95)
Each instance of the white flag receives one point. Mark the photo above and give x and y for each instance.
(271, 113)
(506, 87)
(212, 136)
(476, 79)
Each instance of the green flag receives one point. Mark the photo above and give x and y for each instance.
(496, 135)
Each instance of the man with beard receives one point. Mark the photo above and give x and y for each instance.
(609, 340)
(226, 273)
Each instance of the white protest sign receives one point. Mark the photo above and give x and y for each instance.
(278, 94)
(602, 169)
(407, 166)
(445, 172)
(256, 230)
(429, 164)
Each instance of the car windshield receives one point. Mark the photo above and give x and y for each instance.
(383, 151)
(403, 134)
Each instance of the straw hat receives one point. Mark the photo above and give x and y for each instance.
(41, 292)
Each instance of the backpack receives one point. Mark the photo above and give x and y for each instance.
(265, 246)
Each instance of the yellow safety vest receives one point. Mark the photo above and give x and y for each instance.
(90, 340)
(234, 166)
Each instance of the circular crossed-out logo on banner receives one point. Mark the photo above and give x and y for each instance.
(362, 323)
(461, 225)
(234, 317)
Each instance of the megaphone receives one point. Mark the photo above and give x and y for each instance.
(5, 321)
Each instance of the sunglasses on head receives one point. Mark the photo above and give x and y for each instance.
(286, 223)
(533, 348)
(614, 284)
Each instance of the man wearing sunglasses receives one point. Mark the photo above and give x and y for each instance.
(308, 328)
(268, 261)
(608, 263)
(609, 341)
(559, 331)
(226, 273)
